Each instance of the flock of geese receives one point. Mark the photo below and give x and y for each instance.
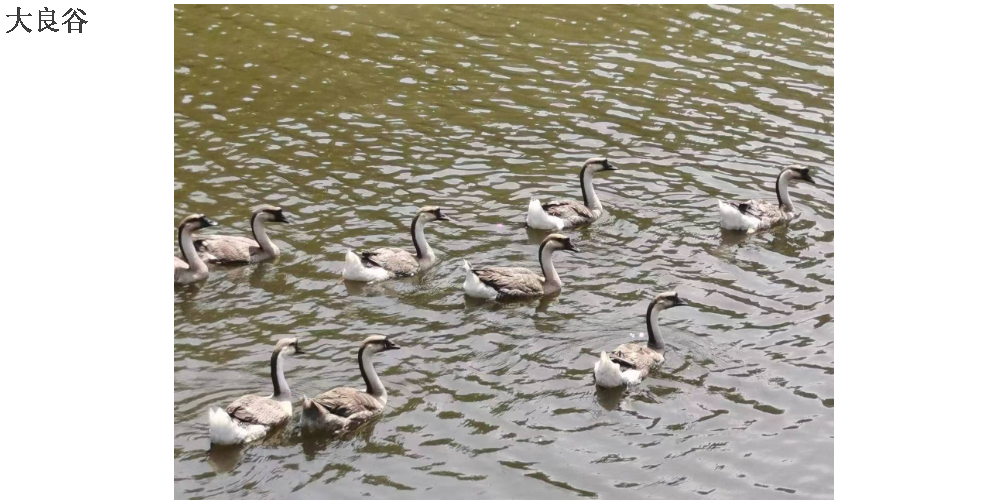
(343, 409)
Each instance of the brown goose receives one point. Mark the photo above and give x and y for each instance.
(384, 263)
(190, 268)
(565, 214)
(509, 283)
(250, 417)
(344, 408)
(223, 249)
(757, 215)
(631, 362)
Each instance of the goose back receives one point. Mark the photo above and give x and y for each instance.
(512, 282)
(395, 260)
(260, 410)
(573, 213)
(221, 249)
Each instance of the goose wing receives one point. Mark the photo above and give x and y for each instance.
(220, 249)
(636, 356)
(570, 211)
(396, 260)
(513, 282)
(761, 209)
(346, 401)
(258, 410)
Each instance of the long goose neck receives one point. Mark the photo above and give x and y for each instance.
(783, 198)
(588, 190)
(374, 385)
(654, 337)
(280, 389)
(188, 249)
(259, 233)
(546, 263)
(423, 250)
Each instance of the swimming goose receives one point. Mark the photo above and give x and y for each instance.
(250, 416)
(757, 215)
(384, 263)
(565, 214)
(344, 408)
(190, 268)
(222, 249)
(509, 283)
(631, 362)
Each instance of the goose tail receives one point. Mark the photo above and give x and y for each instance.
(223, 429)
(537, 218)
(607, 373)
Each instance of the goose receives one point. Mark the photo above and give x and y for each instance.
(250, 416)
(505, 283)
(344, 408)
(557, 215)
(384, 263)
(631, 362)
(757, 215)
(190, 268)
(222, 249)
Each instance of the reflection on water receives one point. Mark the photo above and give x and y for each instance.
(352, 117)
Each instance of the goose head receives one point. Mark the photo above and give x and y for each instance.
(669, 299)
(270, 213)
(288, 346)
(595, 165)
(557, 241)
(801, 173)
(377, 343)
(431, 213)
(196, 221)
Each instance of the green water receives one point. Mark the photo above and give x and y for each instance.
(352, 117)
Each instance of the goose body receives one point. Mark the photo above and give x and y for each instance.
(386, 262)
(757, 215)
(608, 374)
(223, 249)
(251, 417)
(632, 362)
(344, 408)
(565, 214)
(190, 268)
(513, 283)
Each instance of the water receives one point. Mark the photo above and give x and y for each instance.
(352, 117)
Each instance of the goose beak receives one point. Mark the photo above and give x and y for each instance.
(679, 302)
(573, 248)
(444, 218)
(809, 179)
(204, 222)
(610, 166)
(297, 349)
(283, 218)
(391, 346)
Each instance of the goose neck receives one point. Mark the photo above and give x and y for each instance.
(281, 391)
(655, 340)
(374, 384)
(553, 282)
(188, 249)
(423, 250)
(783, 198)
(259, 233)
(588, 190)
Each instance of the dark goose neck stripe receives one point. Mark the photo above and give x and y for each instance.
(651, 343)
(541, 265)
(273, 371)
(780, 201)
(416, 245)
(584, 193)
(360, 364)
(181, 226)
(252, 223)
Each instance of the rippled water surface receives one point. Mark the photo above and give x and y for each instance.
(352, 117)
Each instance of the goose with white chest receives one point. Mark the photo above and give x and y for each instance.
(757, 215)
(387, 262)
(223, 249)
(631, 362)
(514, 283)
(251, 417)
(344, 408)
(557, 215)
(190, 268)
